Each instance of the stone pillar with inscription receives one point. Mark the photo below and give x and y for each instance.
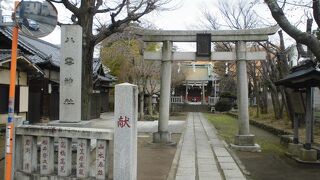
(47, 155)
(29, 154)
(70, 74)
(64, 157)
(102, 163)
(125, 132)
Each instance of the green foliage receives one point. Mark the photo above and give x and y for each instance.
(152, 46)
(120, 56)
(226, 126)
(125, 61)
(223, 105)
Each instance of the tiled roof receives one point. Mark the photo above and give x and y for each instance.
(23, 44)
(46, 51)
(5, 57)
(112, 78)
(41, 52)
(96, 64)
(301, 76)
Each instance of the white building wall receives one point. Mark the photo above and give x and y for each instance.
(21, 77)
(20, 80)
(197, 73)
(52, 75)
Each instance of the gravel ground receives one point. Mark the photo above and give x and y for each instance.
(274, 165)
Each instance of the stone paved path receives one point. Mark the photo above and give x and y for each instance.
(203, 155)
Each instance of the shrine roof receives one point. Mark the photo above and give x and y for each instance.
(302, 76)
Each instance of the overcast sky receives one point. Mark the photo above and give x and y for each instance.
(186, 15)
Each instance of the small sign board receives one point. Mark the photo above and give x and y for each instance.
(203, 45)
(297, 101)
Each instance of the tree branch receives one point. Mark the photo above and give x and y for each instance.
(68, 5)
(301, 37)
(120, 6)
(119, 25)
(316, 11)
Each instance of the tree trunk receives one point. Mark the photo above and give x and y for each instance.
(289, 104)
(316, 11)
(256, 89)
(141, 103)
(275, 102)
(150, 107)
(86, 22)
(264, 101)
(257, 95)
(87, 85)
(283, 67)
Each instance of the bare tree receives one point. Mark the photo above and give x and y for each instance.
(142, 72)
(117, 15)
(153, 86)
(262, 75)
(239, 14)
(235, 15)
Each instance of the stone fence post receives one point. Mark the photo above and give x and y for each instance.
(125, 132)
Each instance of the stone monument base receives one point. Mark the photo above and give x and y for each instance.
(308, 155)
(245, 143)
(162, 137)
(294, 149)
(244, 140)
(252, 148)
(86, 124)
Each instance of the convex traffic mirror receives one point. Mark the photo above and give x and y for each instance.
(36, 18)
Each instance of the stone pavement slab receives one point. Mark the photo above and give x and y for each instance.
(203, 155)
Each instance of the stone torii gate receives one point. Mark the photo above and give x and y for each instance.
(243, 140)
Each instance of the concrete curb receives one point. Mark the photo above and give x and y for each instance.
(271, 129)
(245, 172)
(175, 161)
(236, 159)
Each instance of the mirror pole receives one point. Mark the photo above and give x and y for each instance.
(9, 164)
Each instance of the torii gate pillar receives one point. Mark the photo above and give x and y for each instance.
(163, 135)
(243, 140)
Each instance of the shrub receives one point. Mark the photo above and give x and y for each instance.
(228, 95)
(223, 105)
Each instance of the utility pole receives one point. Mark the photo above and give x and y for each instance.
(10, 123)
(9, 164)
